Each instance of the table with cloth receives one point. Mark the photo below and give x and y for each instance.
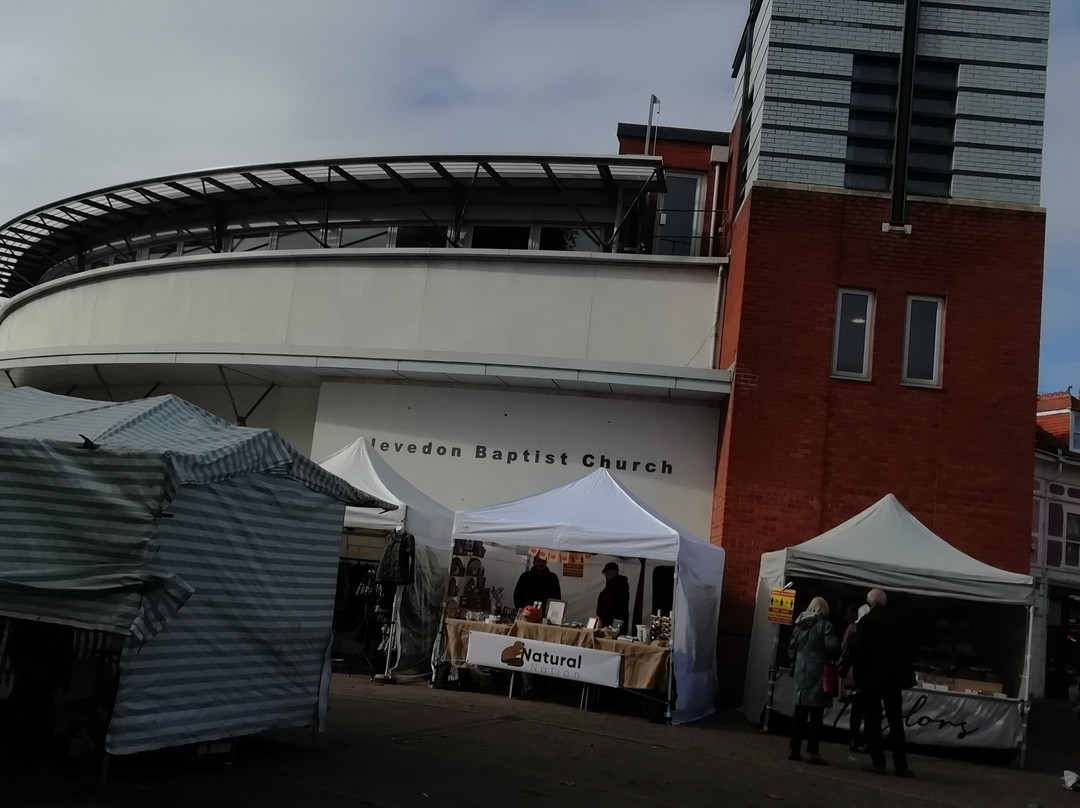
(645, 666)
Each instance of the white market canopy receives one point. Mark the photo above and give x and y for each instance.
(886, 547)
(596, 514)
(430, 524)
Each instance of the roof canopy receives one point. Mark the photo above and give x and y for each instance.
(83, 488)
(885, 546)
(364, 468)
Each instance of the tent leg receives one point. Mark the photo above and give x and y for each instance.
(670, 710)
(510, 692)
(393, 640)
(772, 674)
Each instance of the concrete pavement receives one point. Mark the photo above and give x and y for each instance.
(407, 745)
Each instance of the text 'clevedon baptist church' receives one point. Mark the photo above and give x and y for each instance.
(589, 460)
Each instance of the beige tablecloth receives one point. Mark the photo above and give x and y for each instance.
(644, 666)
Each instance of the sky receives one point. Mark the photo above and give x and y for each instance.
(100, 92)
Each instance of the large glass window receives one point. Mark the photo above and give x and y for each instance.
(424, 235)
(500, 237)
(852, 333)
(568, 238)
(1074, 433)
(250, 242)
(679, 216)
(298, 240)
(922, 340)
(360, 237)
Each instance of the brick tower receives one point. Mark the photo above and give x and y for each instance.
(882, 306)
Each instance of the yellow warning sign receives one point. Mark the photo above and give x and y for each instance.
(781, 606)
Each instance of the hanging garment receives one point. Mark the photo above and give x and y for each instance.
(399, 559)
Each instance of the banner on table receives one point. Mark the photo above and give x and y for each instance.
(934, 717)
(544, 658)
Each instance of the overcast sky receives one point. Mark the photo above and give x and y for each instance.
(98, 92)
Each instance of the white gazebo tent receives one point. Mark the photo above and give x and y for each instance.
(885, 547)
(596, 514)
(420, 608)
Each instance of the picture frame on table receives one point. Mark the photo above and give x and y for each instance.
(592, 623)
(556, 611)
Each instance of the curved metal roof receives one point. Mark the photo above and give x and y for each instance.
(35, 241)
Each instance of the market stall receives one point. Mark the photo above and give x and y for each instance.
(597, 515)
(971, 621)
(196, 555)
(413, 620)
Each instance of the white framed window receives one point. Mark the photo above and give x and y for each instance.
(853, 333)
(1074, 432)
(923, 321)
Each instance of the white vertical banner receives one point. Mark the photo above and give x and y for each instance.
(544, 658)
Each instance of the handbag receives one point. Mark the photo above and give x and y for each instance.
(830, 680)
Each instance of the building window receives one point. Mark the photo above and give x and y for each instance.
(500, 237)
(568, 239)
(872, 125)
(680, 215)
(250, 242)
(1074, 437)
(298, 240)
(423, 235)
(852, 333)
(359, 237)
(1072, 540)
(922, 340)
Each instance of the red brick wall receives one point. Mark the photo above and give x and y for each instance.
(803, 451)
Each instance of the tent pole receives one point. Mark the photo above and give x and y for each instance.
(669, 712)
(1025, 692)
(394, 639)
(771, 673)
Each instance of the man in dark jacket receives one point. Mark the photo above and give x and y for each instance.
(613, 603)
(537, 584)
(882, 672)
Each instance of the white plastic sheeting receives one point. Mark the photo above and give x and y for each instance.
(429, 522)
(883, 547)
(596, 514)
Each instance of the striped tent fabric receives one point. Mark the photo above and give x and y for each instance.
(212, 547)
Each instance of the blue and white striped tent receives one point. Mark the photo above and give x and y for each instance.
(213, 548)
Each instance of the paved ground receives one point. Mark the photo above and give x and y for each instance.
(407, 745)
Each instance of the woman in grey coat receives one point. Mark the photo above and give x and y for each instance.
(813, 645)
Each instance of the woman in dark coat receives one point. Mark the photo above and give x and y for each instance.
(813, 644)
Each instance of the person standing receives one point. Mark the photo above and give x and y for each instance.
(846, 670)
(813, 644)
(613, 602)
(537, 584)
(882, 673)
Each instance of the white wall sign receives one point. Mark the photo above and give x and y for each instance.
(467, 447)
(544, 658)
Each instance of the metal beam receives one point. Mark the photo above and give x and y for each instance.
(260, 183)
(201, 196)
(353, 181)
(588, 225)
(403, 183)
(156, 197)
(499, 178)
(442, 171)
(305, 179)
(226, 188)
(133, 203)
(905, 97)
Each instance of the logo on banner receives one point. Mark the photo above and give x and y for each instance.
(544, 658)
